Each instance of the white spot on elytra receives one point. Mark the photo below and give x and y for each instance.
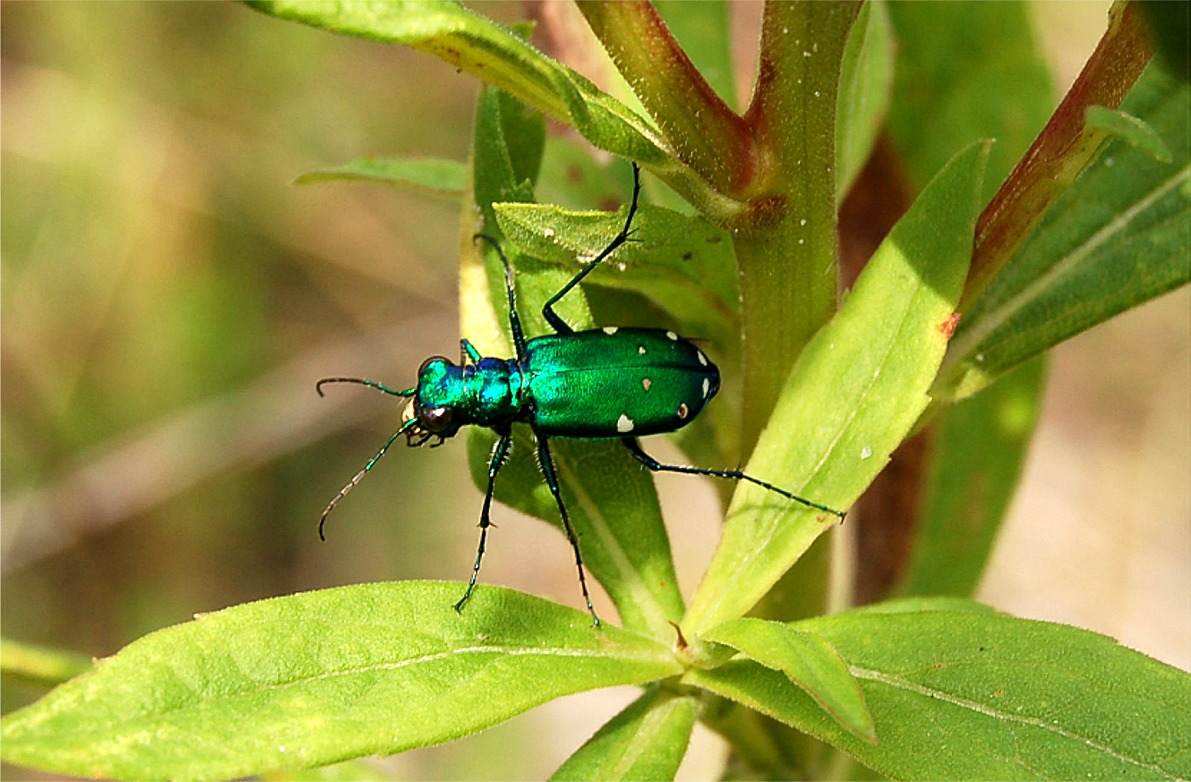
(706, 387)
(624, 424)
(683, 411)
(641, 350)
(646, 383)
(672, 335)
(610, 330)
(702, 358)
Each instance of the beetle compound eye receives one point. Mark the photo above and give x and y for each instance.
(435, 362)
(435, 419)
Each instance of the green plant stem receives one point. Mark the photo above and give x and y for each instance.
(786, 240)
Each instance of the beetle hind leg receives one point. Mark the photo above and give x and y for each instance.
(653, 465)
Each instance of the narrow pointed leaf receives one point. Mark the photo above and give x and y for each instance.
(1028, 700)
(40, 664)
(854, 394)
(646, 741)
(614, 510)
(866, 86)
(445, 178)
(480, 46)
(683, 264)
(977, 450)
(807, 660)
(953, 63)
(320, 677)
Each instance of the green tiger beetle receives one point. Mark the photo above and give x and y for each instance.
(604, 383)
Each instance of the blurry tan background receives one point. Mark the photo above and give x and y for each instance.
(169, 299)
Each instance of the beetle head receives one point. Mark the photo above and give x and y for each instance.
(432, 413)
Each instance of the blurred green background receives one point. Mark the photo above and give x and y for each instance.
(169, 299)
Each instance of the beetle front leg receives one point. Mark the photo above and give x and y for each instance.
(468, 351)
(499, 454)
(547, 464)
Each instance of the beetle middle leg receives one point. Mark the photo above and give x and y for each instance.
(547, 464)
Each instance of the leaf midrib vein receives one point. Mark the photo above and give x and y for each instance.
(981, 708)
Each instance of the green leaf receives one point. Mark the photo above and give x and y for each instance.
(1169, 28)
(320, 677)
(1131, 130)
(477, 45)
(976, 452)
(40, 664)
(856, 391)
(978, 695)
(573, 178)
(612, 503)
(683, 264)
(445, 178)
(808, 660)
(645, 741)
(866, 87)
(1116, 238)
(920, 603)
(954, 62)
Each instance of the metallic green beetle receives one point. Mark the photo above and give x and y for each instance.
(603, 383)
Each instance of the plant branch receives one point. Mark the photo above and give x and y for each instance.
(702, 130)
(1061, 150)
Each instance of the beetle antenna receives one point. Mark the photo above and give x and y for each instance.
(361, 381)
(360, 476)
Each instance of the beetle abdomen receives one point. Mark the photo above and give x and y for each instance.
(617, 382)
